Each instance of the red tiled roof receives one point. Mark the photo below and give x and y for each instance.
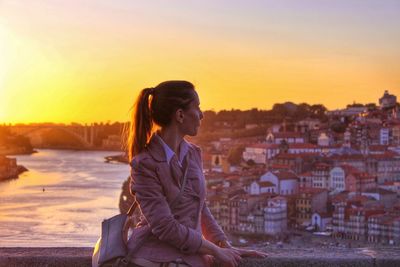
(349, 169)
(380, 191)
(285, 175)
(233, 177)
(279, 198)
(311, 190)
(322, 166)
(341, 197)
(265, 184)
(378, 147)
(358, 199)
(386, 155)
(362, 175)
(294, 156)
(347, 157)
(373, 212)
(280, 166)
(288, 135)
(324, 214)
(206, 156)
(264, 146)
(302, 146)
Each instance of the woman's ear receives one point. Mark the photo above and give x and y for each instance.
(179, 115)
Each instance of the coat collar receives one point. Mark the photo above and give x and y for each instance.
(157, 150)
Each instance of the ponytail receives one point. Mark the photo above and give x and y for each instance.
(141, 125)
(155, 107)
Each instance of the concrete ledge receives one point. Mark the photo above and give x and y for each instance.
(294, 257)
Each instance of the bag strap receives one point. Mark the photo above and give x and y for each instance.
(125, 260)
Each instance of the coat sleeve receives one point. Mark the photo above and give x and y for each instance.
(210, 228)
(149, 193)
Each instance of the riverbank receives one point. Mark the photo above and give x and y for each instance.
(16, 151)
(9, 168)
(20, 169)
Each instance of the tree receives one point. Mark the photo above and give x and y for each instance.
(355, 105)
(284, 146)
(371, 106)
(338, 127)
(251, 162)
(235, 155)
(216, 161)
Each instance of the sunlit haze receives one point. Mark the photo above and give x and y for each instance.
(85, 61)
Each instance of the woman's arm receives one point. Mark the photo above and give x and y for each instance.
(210, 228)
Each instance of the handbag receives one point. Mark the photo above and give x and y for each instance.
(111, 249)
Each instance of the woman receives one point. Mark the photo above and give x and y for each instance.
(187, 233)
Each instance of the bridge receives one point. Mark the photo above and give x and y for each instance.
(86, 134)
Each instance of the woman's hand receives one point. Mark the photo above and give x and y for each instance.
(229, 257)
(251, 253)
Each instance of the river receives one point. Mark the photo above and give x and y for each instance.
(61, 200)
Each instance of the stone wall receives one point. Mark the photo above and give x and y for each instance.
(323, 257)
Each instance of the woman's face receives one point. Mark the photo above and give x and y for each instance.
(192, 117)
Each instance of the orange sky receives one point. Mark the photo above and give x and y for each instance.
(86, 61)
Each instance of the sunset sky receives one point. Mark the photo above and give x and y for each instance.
(85, 61)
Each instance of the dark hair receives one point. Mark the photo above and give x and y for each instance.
(155, 106)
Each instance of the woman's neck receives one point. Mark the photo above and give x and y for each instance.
(172, 138)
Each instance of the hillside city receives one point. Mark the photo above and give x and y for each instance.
(295, 168)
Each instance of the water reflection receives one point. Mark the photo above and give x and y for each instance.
(80, 190)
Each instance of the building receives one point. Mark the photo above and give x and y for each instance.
(288, 137)
(260, 153)
(112, 142)
(391, 186)
(351, 213)
(309, 201)
(320, 175)
(387, 101)
(298, 163)
(384, 197)
(299, 148)
(320, 220)
(251, 213)
(384, 136)
(285, 182)
(260, 187)
(360, 182)
(275, 214)
(337, 177)
(305, 179)
(383, 228)
(357, 223)
(323, 140)
(306, 125)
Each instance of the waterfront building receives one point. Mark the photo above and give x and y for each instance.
(275, 214)
(320, 220)
(309, 201)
